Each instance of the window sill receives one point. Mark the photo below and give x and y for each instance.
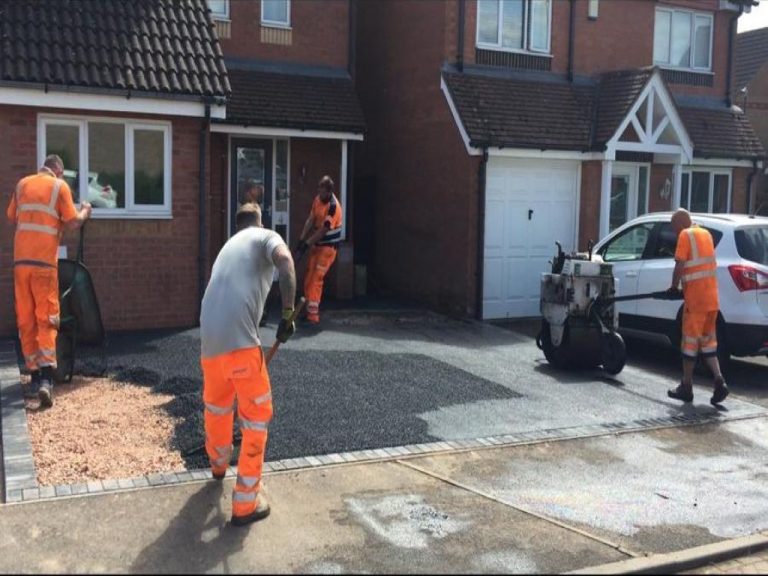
(686, 70)
(513, 51)
(276, 25)
(105, 214)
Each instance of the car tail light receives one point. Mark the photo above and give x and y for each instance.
(748, 278)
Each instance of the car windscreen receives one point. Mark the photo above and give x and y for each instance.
(752, 244)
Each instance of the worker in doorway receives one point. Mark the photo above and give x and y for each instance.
(321, 235)
(253, 192)
(231, 356)
(696, 268)
(41, 209)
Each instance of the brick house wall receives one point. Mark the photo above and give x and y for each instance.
(319, 33)
(427, 200)
(144, 271)
(757, 111)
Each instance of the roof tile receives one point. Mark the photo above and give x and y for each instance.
(111, 44)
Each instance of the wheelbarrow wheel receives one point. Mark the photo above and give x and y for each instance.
(614, 353)
(556, 355)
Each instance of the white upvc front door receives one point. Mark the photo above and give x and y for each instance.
(629, 193)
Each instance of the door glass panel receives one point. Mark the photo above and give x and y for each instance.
(642, 191)
(251, 179)
(281, 176)
(629, 245)
(250, 170)
(619, 201)
(685, 185)
(720, 194)
(700, 192)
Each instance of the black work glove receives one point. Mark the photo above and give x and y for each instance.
(286, 328)
(301, 248)
(674, 293)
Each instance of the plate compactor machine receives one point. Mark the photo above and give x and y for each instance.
(579, 317)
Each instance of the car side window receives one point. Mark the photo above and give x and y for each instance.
(666, 242)
(629, 245)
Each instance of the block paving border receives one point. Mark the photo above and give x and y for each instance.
(21, 482)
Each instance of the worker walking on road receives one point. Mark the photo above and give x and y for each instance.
(321, 236)
(696, 268)
(41, 209)
(231, 356)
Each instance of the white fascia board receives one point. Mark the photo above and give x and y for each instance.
(107, 103)
(283, 132)
(721, 163)
(471, 150)
(528, 154)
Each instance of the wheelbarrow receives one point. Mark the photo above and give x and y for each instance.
(80, 316)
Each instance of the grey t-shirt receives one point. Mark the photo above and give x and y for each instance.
(234, 299)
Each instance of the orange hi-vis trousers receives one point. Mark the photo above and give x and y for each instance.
(321, 259)
(699, 334)
(241, 373)
(36, 291)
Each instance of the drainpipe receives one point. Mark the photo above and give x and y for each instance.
(352, 48)
(460, 47)
(729, 80)
(481, 178)
(750, 178)
(205, 129)
(571, 27)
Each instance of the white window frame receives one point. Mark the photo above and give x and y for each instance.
(220, 15)
(131, 210)
(711, 194)
(693, 14)
(277, 23)
(497, 47)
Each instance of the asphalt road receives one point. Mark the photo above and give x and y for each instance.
(374, 380)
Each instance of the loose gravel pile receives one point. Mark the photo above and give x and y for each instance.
(99, 429)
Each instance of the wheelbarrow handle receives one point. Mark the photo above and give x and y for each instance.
(661, 295)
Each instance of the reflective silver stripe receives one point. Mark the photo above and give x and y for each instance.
(699, 275)
(37, 208)
(55, 194)
(47, 352)
(220, 461)
(252, 425)
(218, 410)
(45, 363)
(263, 398)
(700, 262)
(54, 321)
(690, 354)
(709, 349)
(691, 339)
(38, 228)
(247, 481)
(694, 246)
(244, 496)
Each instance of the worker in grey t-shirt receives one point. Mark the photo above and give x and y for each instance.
(231, 355)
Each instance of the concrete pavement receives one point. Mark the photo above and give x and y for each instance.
(544, 507)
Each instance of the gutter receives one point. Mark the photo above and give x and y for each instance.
(480, 269)
(205, 130)
(460, 40)
(352, 48)
(729, 79)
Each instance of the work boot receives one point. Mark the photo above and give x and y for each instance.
(32, 389)
(721, 391)
(218, 474)
(261, 512)
(46, 387)
(682, 392)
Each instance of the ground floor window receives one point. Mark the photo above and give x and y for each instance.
(127, 164)
(706, 191)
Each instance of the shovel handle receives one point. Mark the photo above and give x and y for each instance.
(273, 350)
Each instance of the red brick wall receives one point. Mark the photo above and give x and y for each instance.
(320, 33)
(589, 208)
(144, 271)
(426, 200)
(621, 38)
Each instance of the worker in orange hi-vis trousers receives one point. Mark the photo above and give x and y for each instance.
(231, 356)
(321, 236)
(696, 268)
(41, 209)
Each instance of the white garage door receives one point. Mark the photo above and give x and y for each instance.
(529, 205)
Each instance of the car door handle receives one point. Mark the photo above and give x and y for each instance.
(631, 274)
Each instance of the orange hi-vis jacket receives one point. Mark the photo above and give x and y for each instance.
(329, 213)
(39, 206)
(696, 250)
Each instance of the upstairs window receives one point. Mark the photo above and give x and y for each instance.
(219, 9)
(276, 12)
(683, 39)
(514, 25)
